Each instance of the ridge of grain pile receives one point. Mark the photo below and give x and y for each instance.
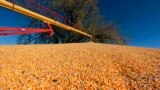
(85, 66)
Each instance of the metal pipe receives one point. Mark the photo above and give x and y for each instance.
(30, 13)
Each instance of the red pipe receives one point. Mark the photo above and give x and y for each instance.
(14, 31)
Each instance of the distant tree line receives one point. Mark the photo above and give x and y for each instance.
(84, 14)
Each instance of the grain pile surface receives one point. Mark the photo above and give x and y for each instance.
(85, 66)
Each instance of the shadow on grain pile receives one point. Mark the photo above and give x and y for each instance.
(82, 66)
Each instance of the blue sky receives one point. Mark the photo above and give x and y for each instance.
(10, 18)
(139, 20)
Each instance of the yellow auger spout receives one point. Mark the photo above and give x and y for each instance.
(9, 5)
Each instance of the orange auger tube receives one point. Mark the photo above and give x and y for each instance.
(6, 4)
